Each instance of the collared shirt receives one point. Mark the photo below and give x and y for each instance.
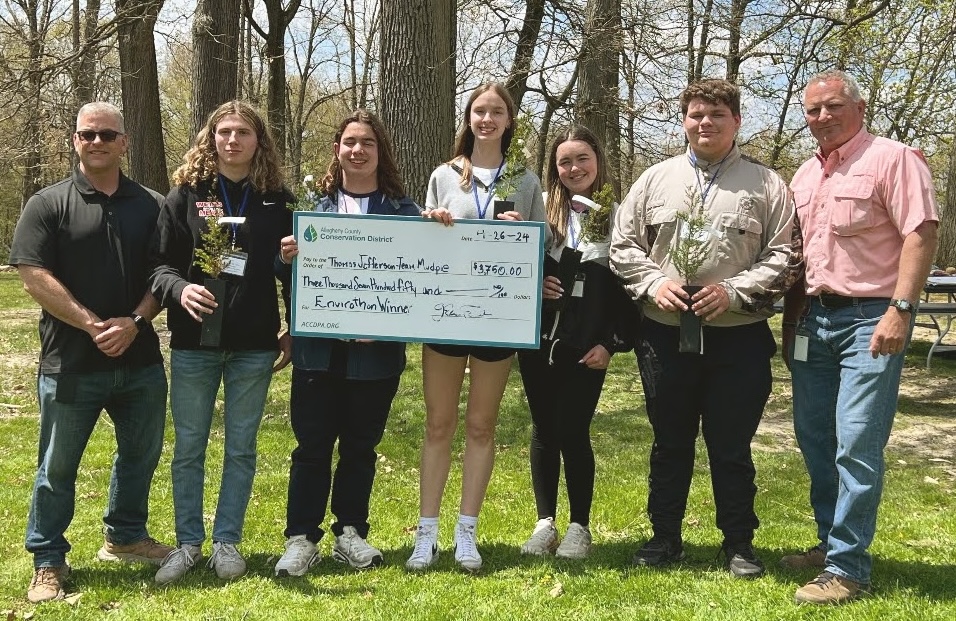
(855, 208)
(751, 250)
(96, 246)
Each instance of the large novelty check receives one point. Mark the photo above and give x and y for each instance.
(414, 279)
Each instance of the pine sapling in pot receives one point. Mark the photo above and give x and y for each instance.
(516, 160)
(690, 250)
(212, 258)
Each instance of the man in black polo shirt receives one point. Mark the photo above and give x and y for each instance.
(81, 249)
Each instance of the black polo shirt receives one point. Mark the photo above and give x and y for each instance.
(97, 246)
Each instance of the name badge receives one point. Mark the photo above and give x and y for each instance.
(800, 347)
(235, 263)
(578, 291)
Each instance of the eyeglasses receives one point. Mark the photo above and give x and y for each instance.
(106, 135)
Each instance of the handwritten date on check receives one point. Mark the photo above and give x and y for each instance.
(411, 279)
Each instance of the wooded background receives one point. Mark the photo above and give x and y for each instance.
(614, 65)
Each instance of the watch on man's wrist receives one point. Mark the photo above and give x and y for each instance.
(139, 321)
(903, 306)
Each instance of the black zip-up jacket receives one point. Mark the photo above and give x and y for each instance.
(603, 315)
(251, 318)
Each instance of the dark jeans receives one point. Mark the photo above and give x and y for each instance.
(723, 392)
(325, 407)
(562, 398)
(70, 405)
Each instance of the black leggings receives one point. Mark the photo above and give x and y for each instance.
(562, 398)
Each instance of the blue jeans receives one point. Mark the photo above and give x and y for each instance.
(70, 404)
(195, 376)
(844, 402)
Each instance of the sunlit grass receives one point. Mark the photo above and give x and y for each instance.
(914, 571)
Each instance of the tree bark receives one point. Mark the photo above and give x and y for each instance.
(274, 38)
(140, 84)
(517, 82)
(215, 65)
(417, 85)
(946, 255)
(598, 103)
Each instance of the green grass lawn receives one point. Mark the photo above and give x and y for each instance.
(914, 571)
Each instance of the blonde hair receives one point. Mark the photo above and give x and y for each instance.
(465, 141)
(201, 161)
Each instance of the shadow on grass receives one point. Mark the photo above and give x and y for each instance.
(891, 578)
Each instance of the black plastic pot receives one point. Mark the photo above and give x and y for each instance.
(691, 337)
(503, 206)
(212, 324)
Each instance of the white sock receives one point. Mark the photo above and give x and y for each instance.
(428, 522)
(468, 520)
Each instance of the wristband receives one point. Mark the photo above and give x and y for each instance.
(789, 324)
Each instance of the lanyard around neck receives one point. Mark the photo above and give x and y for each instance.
(491, 192)
(228, 205)
(705, 191)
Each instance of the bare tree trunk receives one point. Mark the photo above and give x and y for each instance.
(524, 53)
(215, 63)
(83, 33)
(31, 132)
(738, 8)
(417, 85)
(946, 255)
(140, 83)
(598, 103)
(279, 20)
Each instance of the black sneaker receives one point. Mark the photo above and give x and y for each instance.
(741, 560)
(659, 551)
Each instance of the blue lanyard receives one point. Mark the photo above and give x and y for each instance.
(491, 192)
(242, 205)
(705, 191)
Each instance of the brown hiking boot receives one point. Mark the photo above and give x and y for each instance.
(146, 550)
(48, 583)
(815, 557)
(829, 588)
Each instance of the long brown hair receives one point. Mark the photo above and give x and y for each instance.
(202, 161)
(465, 140)
(389, 178)
(559, 198)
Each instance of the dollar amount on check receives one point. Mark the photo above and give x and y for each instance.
(411, 279)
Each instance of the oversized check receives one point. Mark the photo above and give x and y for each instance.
(414, 279)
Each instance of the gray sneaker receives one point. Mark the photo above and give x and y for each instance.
(576, 543)
(543, 539)
(226, 560)
(300, 555)
(351, 548)
(177, 563)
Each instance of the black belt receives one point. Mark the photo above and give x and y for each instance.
(835, 300)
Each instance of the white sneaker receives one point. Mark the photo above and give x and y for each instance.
(426, 549)
(226, 560)
(466, 550)
(300, 554)
(177, 563)
(351, 548)
(543, 540)
(576, 543)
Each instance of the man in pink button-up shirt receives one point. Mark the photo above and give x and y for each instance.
(867, 209)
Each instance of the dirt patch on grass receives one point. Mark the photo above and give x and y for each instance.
(925, 423)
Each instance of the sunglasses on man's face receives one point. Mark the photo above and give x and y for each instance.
(106, 135)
